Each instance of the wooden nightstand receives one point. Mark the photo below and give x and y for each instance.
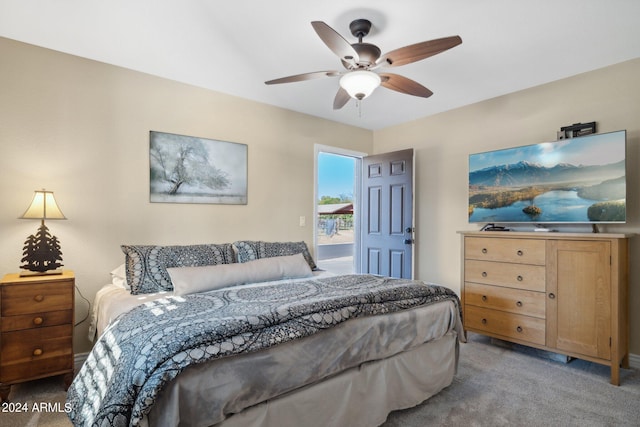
(36, 328)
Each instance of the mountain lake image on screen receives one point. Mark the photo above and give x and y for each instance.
(575, 180)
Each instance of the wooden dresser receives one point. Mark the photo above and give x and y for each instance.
(36, 328)
(562, 292)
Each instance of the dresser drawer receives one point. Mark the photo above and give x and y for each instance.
(523, 251)
(520, 276)
(504, 324)
(36, 298)
(36, 320)
(516, 301)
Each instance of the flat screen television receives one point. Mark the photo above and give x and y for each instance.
(575, 180)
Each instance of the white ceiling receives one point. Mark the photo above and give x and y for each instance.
(234, 46)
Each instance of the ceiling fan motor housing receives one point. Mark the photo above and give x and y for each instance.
(368, 55)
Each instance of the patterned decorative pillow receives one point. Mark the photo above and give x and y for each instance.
(251, 250)
(146, 265)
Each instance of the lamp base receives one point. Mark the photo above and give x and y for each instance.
(41, 253)
(26, 273)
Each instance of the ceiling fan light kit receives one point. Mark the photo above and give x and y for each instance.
(360, 84)
(361, 59)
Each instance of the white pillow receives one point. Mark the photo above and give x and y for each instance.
(188, 280)
(119, 277)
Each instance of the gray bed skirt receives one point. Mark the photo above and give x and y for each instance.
(354, 375)
(362, 396)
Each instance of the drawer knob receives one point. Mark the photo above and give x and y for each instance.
(484, 298)
(519, 303)
(520, 253)
(484, 274)
(38, 320)
(38, 298)
(484, 321)
(519, 329)
(552, 295)
(520, 278)
(38, 352)
(484, 250)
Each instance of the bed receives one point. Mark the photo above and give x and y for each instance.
(266, 341)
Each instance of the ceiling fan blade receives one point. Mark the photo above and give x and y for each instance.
(342, 97)
(404, 85)
(416, 52)
(303, 77)
(336, 42)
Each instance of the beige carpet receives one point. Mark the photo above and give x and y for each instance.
(37, 403)
(499, 386)
(495, 386)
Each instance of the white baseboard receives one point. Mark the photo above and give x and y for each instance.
(78, 360)
(634, 360)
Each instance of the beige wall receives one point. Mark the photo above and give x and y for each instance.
(442, 143)
(81, 128)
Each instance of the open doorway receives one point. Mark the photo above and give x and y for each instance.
(336, 231)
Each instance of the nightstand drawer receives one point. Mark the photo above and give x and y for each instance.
(527, 303)
(504, 324)
(36, 320)
(32, 345)
(36, 368)
(520, 276)
(522, 251)
(36, 298)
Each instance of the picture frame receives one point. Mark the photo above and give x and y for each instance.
(189, 169)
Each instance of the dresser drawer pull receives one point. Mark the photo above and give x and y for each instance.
(519, 329)
(484, 321)
(38, 320)
(484, 274)
(484, 250)
(519, 303)
(520, 278)
(38, 352)
(484, 298)
(552, 295)
(38, 298)
(520, 253)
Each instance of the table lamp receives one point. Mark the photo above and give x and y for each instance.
(41, 252)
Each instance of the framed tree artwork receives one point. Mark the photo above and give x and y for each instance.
(187, 169)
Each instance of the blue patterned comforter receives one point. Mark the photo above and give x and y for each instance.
(149, 346)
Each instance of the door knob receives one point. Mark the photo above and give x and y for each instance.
(408, 241)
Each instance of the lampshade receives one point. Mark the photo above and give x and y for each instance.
(43, 206)
(41, 252)
(360, 84)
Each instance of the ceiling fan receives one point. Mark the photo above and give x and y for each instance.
(360, 59)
